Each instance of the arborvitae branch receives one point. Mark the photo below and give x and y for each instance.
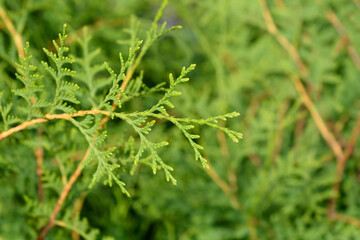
(88, 121)
(5, 115)
(65, 91)
(30, 81)
(87, 73)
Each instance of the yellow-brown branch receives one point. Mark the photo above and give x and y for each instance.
(48, 117)
(14, 34)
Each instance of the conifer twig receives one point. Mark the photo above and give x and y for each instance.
(77, 172)
(129, 75)
(15, 35)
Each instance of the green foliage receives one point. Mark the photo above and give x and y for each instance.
(65, 91)
(106, 101)
(276, 183)
(7, 119)
(29, 80)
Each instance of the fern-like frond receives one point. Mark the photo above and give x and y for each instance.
(115, 91)
(171, 92)
(5, 114)
(88, 70)
(105, 167)
(146, 144)
(184, 124)
(65, 91)
(27, 74)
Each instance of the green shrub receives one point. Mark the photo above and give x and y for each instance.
(289, 67)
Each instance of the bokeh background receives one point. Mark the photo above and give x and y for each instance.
(291, 68)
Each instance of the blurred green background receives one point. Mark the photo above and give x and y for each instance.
(277, 183)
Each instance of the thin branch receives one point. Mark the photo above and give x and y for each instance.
(357, 3)
(326, 134)
(334, 20)
(251, 222)
(21, 127)
(319, 122)
(222, 142)
(254, 107)
(79, 202)
(15, 35)
(255, 159)
(284, 42)
(232, 177)
(62, 170)
(279, 4)
(48, 117)
(39, 154)
(346, 219)
(353, 139)
(340, 167)
(225, 187)
(63, 196)
(226, 154)
(279, 132)
(300, 124)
